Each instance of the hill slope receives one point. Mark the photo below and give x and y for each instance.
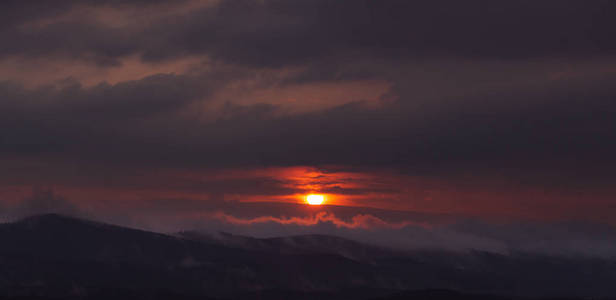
(59, 256)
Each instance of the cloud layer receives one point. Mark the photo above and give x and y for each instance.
(491, 110)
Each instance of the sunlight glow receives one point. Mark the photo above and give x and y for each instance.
(314, 199)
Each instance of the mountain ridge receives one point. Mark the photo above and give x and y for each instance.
(96, 258)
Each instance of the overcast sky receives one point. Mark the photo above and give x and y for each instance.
(406, 113)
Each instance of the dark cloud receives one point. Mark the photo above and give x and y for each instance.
(278, 33)
(519, 89)
(89, 42)
(41, 28)
(71, 116)
(306, 30)
(18, 12)
(561, 127)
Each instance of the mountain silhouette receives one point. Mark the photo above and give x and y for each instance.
(56, 256)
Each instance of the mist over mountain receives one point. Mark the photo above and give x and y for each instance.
(99, 259)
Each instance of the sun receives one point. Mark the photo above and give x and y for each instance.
(314, 199)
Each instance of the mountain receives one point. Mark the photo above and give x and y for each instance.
(516, 274)
(60, 253)
(299, 244)
(62, 257)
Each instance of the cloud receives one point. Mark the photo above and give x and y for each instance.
(165, 118)
(281, 33)
(541, 137)
(492, 114)
(544, 238)
(43, 201)
(76, 118)
(358, 221)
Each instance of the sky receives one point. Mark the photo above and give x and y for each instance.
(457, 123)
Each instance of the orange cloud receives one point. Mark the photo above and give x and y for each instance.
(360, 221)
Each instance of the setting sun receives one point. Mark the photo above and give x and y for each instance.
(314, 199)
